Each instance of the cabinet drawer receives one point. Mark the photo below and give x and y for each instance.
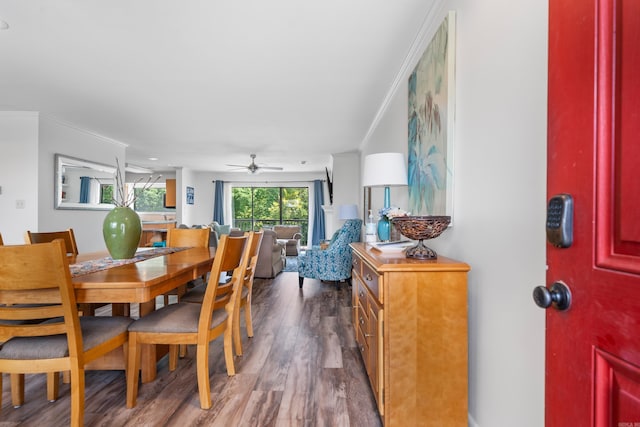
(372, 280)
(362, 344)
(362, 319)
(362, 295)
(356, 264)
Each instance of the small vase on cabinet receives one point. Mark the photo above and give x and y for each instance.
(384, 229)
(121, 230)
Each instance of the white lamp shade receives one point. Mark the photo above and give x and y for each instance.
(384, 170)
(348, 212)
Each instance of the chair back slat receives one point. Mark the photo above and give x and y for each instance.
(33, 329)
(29, 296)
(71, 248)
(188, 237)
(31, 269)
(21, 312)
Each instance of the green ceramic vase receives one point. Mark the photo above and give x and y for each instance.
(121, 230)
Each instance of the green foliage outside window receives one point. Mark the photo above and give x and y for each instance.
(257, 207)
(147, 200)
(150, 200)
(106, 193)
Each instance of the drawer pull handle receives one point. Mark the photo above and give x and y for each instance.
(362, 294)
(368, 335)
(368, 277)
(362, 348)
(361, 320)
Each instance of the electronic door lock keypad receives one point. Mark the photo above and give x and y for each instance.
(560, 221)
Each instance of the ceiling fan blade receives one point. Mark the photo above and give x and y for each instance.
(254, 167)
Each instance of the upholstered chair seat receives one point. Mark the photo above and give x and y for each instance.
(176, 318)
(95, 331)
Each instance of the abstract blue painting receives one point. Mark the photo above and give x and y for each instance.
(431, 118)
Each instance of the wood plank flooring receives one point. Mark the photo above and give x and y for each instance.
(302, 368)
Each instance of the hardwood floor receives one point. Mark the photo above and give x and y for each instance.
(302, 368)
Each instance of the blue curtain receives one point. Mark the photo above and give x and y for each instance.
(85, 185)
(318, 213)
(218, 204)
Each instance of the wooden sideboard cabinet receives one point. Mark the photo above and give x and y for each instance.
(410, 320)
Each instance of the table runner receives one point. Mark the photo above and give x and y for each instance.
(105, 263)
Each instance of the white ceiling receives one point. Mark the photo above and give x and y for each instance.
(201, 84)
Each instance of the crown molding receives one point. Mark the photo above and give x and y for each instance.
(425, 33)
(18, 113)
(85, 131)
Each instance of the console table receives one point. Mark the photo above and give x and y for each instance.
(410, 321)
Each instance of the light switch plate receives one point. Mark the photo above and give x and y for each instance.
(19, 204)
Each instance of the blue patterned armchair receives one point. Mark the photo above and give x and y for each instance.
(333, 263)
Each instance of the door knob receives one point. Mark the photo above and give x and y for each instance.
(558, 296)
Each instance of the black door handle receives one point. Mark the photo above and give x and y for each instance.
(558, 296)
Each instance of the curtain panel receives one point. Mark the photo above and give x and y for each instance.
(218, 204)
(318, 214)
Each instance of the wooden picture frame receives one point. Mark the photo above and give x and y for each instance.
(190, 195)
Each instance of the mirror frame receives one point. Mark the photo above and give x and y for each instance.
(60, 162)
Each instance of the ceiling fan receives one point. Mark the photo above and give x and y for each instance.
(255, 168)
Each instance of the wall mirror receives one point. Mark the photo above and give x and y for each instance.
(83, 184)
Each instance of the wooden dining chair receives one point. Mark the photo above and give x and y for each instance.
(44, 237)
(199, 324)
(196, 295)
(186, 238)
(17, 379)
(35, 285)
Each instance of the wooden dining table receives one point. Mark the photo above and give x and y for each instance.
(139, 282)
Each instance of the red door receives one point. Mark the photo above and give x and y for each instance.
(593, 347)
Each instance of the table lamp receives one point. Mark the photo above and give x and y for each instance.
(348, 212)
(384, 170)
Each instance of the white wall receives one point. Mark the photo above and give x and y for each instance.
(18, 174)
(346, 188)
(57, 137)
(186, 213)
(499, 196)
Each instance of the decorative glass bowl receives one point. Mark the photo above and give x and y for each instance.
(421, 228)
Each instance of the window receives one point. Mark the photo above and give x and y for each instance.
(257, 207)
(106, 193)
(151, 199)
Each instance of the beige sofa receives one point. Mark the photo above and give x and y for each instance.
(289, 236)
(271, 257)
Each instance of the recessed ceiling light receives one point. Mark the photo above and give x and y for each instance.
(303, 162)
(153, 158)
